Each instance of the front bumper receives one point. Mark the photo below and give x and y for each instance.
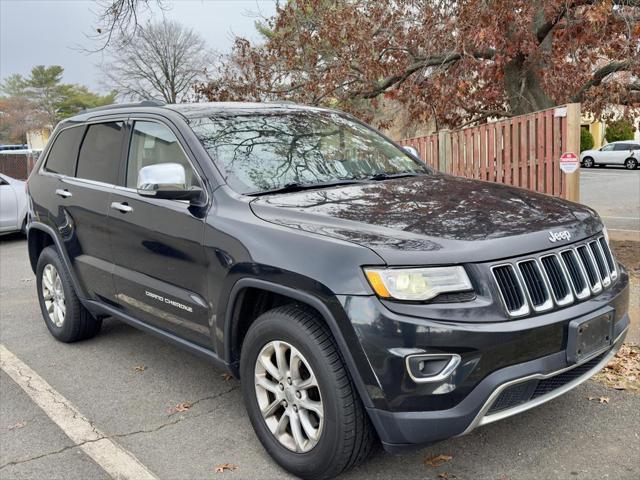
(507, 367)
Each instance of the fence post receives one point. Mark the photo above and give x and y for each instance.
(573, 145)
(444, 150)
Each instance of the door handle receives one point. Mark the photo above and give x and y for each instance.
(63, 193)
(122, 207)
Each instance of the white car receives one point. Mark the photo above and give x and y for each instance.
(13, 205)
(626, 152)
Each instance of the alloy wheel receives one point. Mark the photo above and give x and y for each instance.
(631, 164)
(53, 295)
(289, 396)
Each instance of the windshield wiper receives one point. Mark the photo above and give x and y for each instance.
(296, 187)
(387, 176)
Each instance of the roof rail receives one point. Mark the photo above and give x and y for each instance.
(113, 106)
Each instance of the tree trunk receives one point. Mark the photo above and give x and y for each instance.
(523, 87)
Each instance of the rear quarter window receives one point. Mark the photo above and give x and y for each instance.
(100, 152)
(64, 152)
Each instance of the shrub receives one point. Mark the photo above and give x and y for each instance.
(619, 130)
(586, 140)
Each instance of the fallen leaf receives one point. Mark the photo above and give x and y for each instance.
(599, 399)
(17, 426)
(447, 476)
(181, 407)
(227, 376)
(140, 368)
(623, 369)
(225, 466)
(437, 460)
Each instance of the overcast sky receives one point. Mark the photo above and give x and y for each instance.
(49, 32)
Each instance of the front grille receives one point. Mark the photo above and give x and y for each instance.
(589, 266)
(536, 287)
(510, 289)
(576, 273)
(559, 278)
(607, 255)
(531, 389)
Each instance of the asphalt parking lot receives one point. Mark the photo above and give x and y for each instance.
(125, 384)
(615, 194)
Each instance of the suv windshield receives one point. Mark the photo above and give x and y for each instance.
(265, 152)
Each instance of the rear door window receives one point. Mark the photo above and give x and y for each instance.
(622, 146)
(100, 153)
(64, 152)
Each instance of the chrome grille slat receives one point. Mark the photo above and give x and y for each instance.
(558, 278)
(577, 274)
(535, 286)
(601, 263)
(511, 290)
(589, 264)
(613, 271)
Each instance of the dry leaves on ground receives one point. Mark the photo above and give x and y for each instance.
(225, 466)
(181, 407)
(599, 399)
(140, 368)
(437, 460)
(623, 371)
(227, 376)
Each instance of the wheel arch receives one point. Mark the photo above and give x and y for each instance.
(41, 236)
(233, 324)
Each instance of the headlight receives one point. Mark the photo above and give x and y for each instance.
(417, 284)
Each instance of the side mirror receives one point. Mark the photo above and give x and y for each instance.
(166, 181)
(412, 151)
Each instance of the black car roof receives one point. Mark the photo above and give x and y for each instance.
(194, 110)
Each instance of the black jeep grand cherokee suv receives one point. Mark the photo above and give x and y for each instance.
(357, 294)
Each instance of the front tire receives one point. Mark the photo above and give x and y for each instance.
(587, 162)
(64, 315)
(299, 396)
(631, 163)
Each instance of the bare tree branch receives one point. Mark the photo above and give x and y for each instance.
(599, 75)
(163, 61)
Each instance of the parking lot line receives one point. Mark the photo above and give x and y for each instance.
(111, 457)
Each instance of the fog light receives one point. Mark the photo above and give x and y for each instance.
(434, 367)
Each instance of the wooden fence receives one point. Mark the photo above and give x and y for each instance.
(523, 151)
(17, 165)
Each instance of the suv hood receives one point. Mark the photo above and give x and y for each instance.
(432, 219)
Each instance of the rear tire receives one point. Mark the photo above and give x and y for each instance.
(631, 163)
(587, 162)
(346, 436)
(64, 315)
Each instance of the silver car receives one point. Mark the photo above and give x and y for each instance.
(626, 152)
(13, 205)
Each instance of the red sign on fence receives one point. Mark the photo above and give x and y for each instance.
(569, 162)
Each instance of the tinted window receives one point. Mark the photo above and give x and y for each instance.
(608, 147)
(100, 152)
(64, 152)
(635, 146)
(153, 143)
(622, 146)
